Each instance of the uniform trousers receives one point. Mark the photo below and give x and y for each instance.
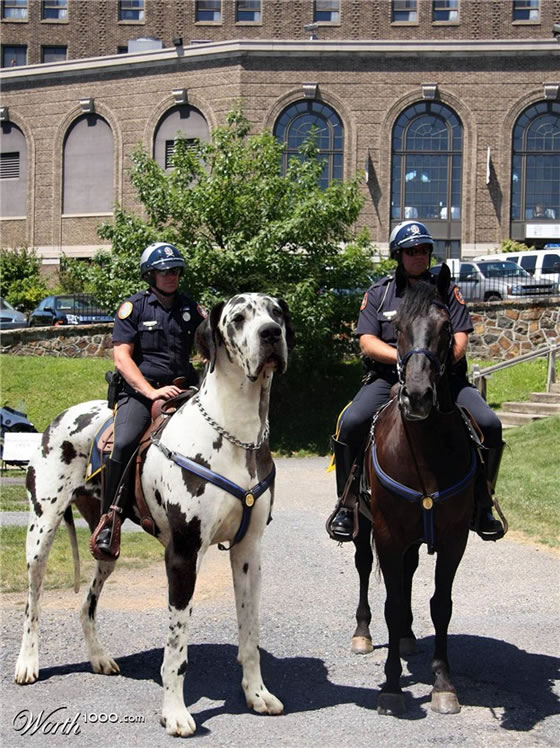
(132, 417)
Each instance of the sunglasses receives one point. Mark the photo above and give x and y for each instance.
(170, 271)
(421, 249)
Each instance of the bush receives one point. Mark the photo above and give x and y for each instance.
(20, 280)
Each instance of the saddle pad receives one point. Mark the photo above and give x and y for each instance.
(98, 448)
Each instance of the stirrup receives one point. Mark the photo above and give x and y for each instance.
(342, 535)
(110, 521)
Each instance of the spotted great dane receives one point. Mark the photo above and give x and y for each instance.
(223, 430)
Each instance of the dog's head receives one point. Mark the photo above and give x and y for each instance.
(253, 329)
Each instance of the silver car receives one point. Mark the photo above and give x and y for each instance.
(10, 318)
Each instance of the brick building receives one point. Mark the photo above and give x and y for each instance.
(450, 107)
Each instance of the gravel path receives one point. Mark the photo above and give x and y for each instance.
(504, 638)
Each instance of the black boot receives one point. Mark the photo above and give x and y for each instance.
(485, 524)
(111, 478)
(340, 524)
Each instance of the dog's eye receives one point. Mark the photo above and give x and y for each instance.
(277, 312)
(238, 319)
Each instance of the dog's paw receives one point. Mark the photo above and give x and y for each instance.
(264, 702)
(178, 722)
(27, 670)
(105, 665)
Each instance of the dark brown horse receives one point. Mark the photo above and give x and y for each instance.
(421, 467)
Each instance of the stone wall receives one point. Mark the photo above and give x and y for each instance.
(502, 330)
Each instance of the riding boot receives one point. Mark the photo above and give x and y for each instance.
(105, 541)
(485, 524)
(341, 524)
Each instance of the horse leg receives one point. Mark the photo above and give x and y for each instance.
(182, 559)
(407, 643)
(363, 560)
(245, 559)
(444, 696)
(100, 662)
(391, 700)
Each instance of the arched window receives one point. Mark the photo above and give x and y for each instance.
(88, 167)
(13, 172)
(427, 163)
(183, 119)
(294, 126)
(535, 186)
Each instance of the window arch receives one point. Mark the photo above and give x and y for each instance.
(427, 164)
(294, 126)
(535, 185)
(13, 171)
(88, 167)
(182, 119)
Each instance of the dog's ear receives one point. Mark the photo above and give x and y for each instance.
(208, 337)
(290, 334)
(443, 279)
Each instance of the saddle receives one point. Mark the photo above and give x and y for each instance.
(131, 493)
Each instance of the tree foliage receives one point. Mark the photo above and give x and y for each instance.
(20, 280)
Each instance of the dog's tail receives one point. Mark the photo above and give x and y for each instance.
(71, 527)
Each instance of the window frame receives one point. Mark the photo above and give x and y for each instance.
(448, 7)
(519, 7)
(319, 13)
(5, 47)
(404, 6)
(5, 157)
(200, 11)
(22, 5)
(55, 5)
(52, 47)
(256, 12)
(132, 6)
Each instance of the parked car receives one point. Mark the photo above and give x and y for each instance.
(74, 309)
(492, 280)
(542, 264)
(10, 318)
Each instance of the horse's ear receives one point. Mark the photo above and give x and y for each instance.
(290, 334)
(208, 337)
(443, 281)
(401, 280)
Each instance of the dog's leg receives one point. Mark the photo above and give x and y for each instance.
(100, 662)
(44, 520)
(246, 569)
(182, 559)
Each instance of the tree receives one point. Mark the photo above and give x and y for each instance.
(20, 280)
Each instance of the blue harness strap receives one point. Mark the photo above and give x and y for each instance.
(248, 497)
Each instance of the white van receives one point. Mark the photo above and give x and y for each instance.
(542, 264)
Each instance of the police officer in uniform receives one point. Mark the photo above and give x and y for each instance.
(153, 337)
(411, 245)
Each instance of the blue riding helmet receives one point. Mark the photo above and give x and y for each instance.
(408, 234)
(159, 256)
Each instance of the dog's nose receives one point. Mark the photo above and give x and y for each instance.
(270, 333)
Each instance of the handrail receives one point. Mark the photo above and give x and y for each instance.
(479, 375)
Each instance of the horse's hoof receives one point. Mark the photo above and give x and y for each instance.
(391, 704)
(407, 646)
(361, 645)
(445, 702)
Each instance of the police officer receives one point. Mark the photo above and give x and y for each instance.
(411, 245)
(153, 337)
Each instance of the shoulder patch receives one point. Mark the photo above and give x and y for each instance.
(364, 301)
(125, 310)
(459, 295)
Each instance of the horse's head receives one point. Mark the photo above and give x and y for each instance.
(424, 344)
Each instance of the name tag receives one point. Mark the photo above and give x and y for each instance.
(389, 315)
(150, 323)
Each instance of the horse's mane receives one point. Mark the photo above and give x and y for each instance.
(417, 301)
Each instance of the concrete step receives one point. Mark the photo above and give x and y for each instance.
(510, 419)
(545, 397)
(555, 387)
(542, 409)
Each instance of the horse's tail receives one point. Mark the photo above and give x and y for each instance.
(71, 527)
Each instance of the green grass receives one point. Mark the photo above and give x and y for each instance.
(13, 497)
(517, 382)
(137, 550)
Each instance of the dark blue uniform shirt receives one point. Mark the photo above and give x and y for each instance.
(379, 308)
(163, 338)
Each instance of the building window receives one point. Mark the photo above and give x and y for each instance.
(248, 11)
(326, 11)
(88, 167)
(14, 10)
(526, 10)
(306, 119)
(445, 10)
(180, 121)
(208, 10)
(13, 172)
(404, 11)
(14, 56)
(131, 10)
(55, 10)
(427, 164)
(53, 54)
(535, 187)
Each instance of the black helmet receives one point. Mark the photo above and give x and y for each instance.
(159, 256)
(408, 234)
